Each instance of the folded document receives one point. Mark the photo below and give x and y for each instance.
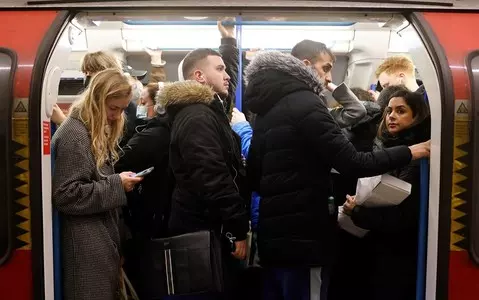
(377, 191)
(382, 190)
(346, 223)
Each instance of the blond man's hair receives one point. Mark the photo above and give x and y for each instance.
(396, 64)
(95, 62)
(91, 109)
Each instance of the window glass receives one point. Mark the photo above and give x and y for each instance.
(6, 83)
(473, 68)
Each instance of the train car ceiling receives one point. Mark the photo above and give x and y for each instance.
(349, 35)
(410, 4)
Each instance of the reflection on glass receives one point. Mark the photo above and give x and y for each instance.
(474, 217)
(5, 68)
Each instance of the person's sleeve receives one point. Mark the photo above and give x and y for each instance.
(244, 130)
(255, 199)
(324, 136)
(352, 111)
(158, 74)
(74, 190)
(229, 52)
(393, 218)
(200, 146)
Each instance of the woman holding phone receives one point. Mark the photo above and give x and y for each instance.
(86, 190)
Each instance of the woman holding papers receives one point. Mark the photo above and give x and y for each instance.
(393, 229)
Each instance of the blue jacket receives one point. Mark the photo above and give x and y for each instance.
(244, 130)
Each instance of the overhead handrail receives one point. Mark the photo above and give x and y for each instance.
(238, 21)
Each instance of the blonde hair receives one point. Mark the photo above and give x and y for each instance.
(395, 64)
(91, 110)
(95, 62)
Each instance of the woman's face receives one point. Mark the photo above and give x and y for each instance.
(115, 107)
(145, 98)
(399, 115)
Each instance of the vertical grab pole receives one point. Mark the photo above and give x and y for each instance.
(422, 236)
(239, 87)
(57, 263)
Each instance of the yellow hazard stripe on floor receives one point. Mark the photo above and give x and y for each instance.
(460, 179)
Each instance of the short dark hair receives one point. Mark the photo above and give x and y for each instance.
(386, 93)
(310, 50)
(419, 107)
(192, 59)
(362, 94)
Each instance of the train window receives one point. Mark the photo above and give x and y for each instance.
(7, 70)
(473, 68)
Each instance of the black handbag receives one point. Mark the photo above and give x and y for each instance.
(188, 264)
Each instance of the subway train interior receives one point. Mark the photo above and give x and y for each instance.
(42, 44)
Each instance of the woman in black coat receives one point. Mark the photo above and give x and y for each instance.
(146, 215)
(394, 229)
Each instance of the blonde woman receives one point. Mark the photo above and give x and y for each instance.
(86, 190)
(95, 62)
(92, 63)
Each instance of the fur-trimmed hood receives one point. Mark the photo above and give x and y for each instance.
(272, 75)
(183, 93)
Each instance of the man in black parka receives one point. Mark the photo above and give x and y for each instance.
(205, 157)
(295, 144)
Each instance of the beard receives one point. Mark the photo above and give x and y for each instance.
(219, 89)
(223, 94)
(315, 72)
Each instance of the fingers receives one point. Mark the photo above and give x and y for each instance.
(240, 252)
(136, 179)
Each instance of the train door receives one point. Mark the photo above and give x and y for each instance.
(32, 127)
(252, 28)
(458, 272)
(26, 38)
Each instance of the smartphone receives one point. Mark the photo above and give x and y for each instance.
(144, 172)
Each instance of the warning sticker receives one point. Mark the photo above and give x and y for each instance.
(463, 110)
(20, 108)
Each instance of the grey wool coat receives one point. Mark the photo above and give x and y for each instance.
(88, 204)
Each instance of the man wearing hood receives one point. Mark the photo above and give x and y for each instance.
(295, 144)
(205, 156)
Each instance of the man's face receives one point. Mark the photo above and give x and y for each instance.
(393, 79)
(212, 71)
(323, 66)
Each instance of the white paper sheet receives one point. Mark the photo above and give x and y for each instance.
(346, 223)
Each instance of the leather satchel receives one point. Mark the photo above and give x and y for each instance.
(188, 264)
